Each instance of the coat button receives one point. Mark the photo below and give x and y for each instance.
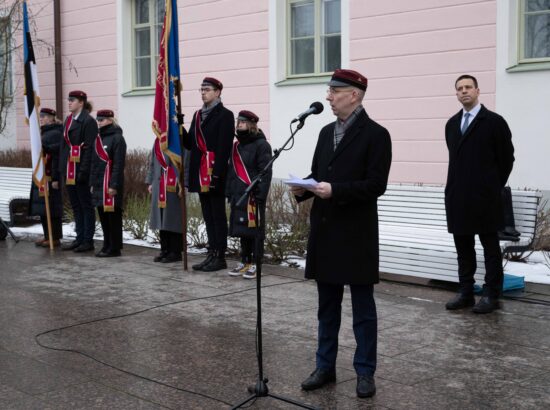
(330, 167)
(323, 219)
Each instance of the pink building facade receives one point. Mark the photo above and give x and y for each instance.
(275, 57)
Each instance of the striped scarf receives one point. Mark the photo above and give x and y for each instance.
(342, 126)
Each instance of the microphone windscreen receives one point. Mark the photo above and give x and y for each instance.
(318, 107)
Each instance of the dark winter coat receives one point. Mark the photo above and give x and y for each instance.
(218, 131)
(52, 134)
(343, 240)
(115, 145)
(255, 152)
(480, 162)
(83, 132)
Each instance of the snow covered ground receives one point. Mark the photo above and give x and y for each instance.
(535, 270)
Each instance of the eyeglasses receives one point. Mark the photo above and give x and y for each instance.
(332, 91)
(99, 119)
(205, 90)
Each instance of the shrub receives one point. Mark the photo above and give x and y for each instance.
(135, 171)
(20, 158)
(136, 215)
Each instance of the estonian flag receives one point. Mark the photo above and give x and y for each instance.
(32, 103)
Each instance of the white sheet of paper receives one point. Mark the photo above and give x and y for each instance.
(293, 180)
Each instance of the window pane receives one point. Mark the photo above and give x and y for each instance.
(537, 36)
(143, 42)
(142, 11)
(537, 5)
(302, 19)
(161, 6)
(330, 53)
(302, 56)
(143, 72)
(331, 16)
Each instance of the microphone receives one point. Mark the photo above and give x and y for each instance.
(314, 108)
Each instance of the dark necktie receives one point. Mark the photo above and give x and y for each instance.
(466, 123)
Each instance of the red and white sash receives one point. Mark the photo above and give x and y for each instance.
(168, 179)
(207, 157)
(108, 200)
(74, 154)
(242, 174)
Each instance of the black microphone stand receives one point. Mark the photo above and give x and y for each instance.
(260, 389)
(8, 230)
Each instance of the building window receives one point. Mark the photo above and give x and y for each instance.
(5, 60)
(534, 42)
(147, 20)
(314, 38)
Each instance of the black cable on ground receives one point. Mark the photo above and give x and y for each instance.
(36, 337)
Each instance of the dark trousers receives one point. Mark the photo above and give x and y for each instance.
(329, 315)
(467, 265)
(111, 224)
(248, 249)
(171, 242)
(57, 227)
(84, 212)
(215, 219)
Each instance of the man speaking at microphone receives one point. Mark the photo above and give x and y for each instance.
(352, 161)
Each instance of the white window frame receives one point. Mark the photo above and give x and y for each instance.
(317, 40)
(522, 34)
(154, 45)
(5, 48)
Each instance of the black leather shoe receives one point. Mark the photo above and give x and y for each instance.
(107, 254)
(319, 378)
(84, 247)
(365, 386)
(171, 257)
(160, 256)
(460, 301)
(216, 263)
(206, 261)
(70, 246)
(486, 305)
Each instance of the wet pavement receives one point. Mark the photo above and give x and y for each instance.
(128, 333)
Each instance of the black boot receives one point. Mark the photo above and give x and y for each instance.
(217, 263)
(206, 261)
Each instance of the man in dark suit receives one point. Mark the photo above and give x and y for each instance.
(210, 140)
(481, 156)
(352, 162)
(75, 160)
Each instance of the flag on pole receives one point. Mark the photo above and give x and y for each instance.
(32, 103)
(165, 122)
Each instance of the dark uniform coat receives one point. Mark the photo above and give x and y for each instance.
(256, 153)
(218, 131)
(83, 132)
(480, 162)
(52, 134)
(115, 145)
(343, 240)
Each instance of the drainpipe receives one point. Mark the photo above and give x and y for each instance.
(57, 55)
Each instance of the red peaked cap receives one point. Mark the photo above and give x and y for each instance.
(248, 116)
(105, 114)
(78, 94)
(345, 78)
(212, 81)
(48, 111)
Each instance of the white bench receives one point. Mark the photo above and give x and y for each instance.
(15, 188)
(413, 232)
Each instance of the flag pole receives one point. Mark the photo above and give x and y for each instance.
(183, 197)
(47, 202)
